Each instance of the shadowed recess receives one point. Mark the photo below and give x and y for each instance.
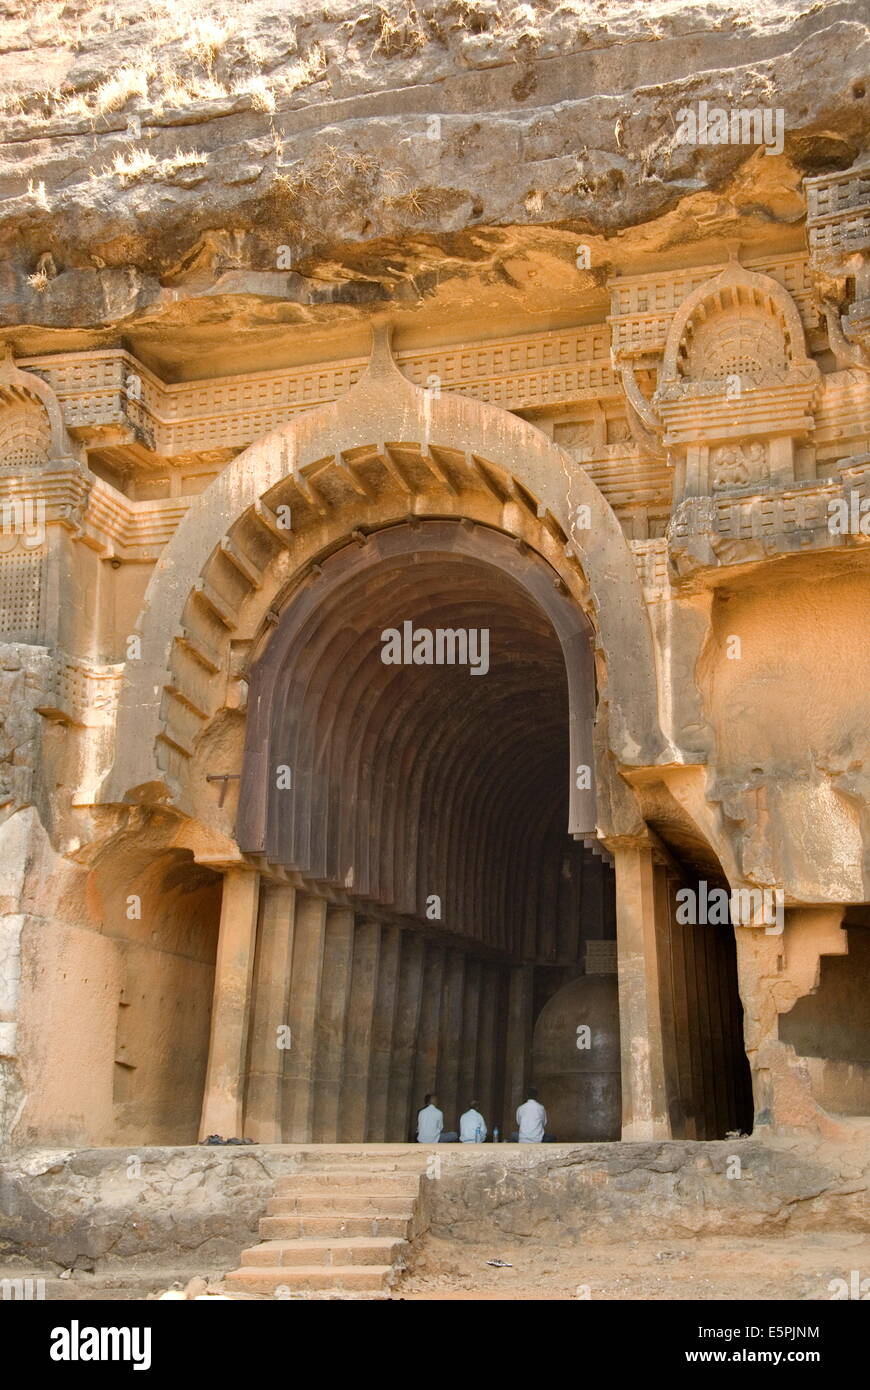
(414, 782)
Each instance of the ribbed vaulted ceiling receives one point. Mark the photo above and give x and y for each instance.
(414, 781)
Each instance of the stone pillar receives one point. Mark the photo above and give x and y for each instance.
(518, 1060)
(722, 1060)
(426, 1060)
(358, 1042)
(382, 1035)
(223, 1102)
(331, 1022)
(696, 471)
(667, 994)
(644, 1093)
(401, 1098)
(451, 1040)
(308, 941)
(695, 1042)
(488, 1049)
(270, 1022)
(469, 1061)
(703, 1005)
(681, 1015)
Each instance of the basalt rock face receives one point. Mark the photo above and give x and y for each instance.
(315, 163)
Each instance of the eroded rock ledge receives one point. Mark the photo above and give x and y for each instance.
(151, 166)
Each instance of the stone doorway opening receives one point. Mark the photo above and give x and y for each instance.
(423, 904)
(415, 806)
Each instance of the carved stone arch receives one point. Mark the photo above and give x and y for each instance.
(392, 450)
(32, 432)
(754, 309)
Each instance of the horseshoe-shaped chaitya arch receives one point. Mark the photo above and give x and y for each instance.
(383, 417)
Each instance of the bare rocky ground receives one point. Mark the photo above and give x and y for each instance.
(801, 1267)
(716, 1268)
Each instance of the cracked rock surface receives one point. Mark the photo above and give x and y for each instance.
(316, 163)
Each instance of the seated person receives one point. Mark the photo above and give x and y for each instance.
(430, 1124)
(531, 1122)
(472, 1125)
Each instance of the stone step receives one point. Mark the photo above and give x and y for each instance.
(336, 1158)
(361, 1153)
(325, 1250)
(335, 1224)
(345, 1203)
(398, 1184)
(298, 1278)
(380, 1170)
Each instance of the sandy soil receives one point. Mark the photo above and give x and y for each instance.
(787, 1267)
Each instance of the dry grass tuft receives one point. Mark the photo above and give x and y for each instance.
(310, 68)
(121, 87)
(182, 159)
(131, 164)
(401, 33)
(258, 89)
(206, 37)
(37, 191)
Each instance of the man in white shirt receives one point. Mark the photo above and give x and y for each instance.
(531, 1120)
(430, 1121)
(472, 1125)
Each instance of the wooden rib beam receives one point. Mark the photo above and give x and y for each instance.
(311, 496)
(344, 469)
(200, 651)
(434, 464)
(246, 568)
(175, 741)
(488, 481)
(189, 703)
(392, 467)
(219, 606)
(269, 521)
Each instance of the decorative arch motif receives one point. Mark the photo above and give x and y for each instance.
(385, 438)
(32, 432)
(748, 344)
(739, 323)
(25, 433)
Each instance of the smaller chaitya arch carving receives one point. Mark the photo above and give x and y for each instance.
(736, 388)
(32, 432)
(740, 324)
(25, 433)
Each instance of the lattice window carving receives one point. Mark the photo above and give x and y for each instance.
(20, 596)
(748, 345)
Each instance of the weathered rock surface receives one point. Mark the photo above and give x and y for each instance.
(627, 1191)
(315, 164)
(83, 1208)
(100, 1208)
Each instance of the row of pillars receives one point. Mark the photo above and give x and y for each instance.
(329, 1028)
